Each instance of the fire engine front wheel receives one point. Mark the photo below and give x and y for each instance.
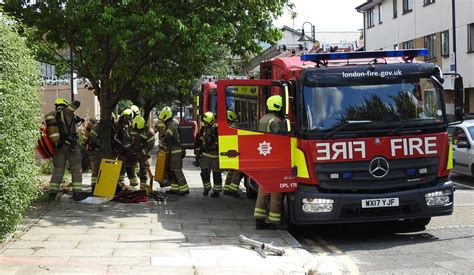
(251, 188)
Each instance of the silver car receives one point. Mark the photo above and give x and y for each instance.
(462, 138)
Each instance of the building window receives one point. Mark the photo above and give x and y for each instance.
(427, 2)
(445, 43)
(370, 18)
(380, 13)
(407, 44)
(395, 8)
(407, 6)
(430, 44)
(470, 37)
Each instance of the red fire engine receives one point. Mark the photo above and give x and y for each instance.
(365, 136)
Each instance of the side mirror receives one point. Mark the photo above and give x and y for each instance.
(458, 114)
(463, 144)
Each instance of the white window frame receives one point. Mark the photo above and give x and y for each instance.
(445, 43)
(370, 18)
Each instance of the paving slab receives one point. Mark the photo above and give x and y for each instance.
(182, 235)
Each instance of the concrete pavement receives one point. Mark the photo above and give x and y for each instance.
(189, 235)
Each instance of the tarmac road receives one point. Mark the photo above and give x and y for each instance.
(446, 245)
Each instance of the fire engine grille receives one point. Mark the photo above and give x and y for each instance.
(355, 176)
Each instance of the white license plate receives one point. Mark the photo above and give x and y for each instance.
(385, 202)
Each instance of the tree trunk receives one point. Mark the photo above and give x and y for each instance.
(106, 109)
(147, 108)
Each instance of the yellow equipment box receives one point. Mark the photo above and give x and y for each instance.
(107, 178)
(160, 167)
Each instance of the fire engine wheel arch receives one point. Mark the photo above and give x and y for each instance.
(251, 188)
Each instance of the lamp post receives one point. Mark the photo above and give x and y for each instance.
(304, 37)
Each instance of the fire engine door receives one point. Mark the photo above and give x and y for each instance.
(243, 145)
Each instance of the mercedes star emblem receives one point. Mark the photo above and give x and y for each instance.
(379, 167)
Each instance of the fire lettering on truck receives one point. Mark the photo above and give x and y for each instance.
(347, 150)
(411, 146)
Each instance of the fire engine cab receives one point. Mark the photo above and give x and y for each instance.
(365, 136)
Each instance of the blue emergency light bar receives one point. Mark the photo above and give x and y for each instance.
(361, 55)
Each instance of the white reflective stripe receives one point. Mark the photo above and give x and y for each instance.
(151, 139)
(144, 136)
(143, 151)
(94, 133)
(176, 151)
(127, 145)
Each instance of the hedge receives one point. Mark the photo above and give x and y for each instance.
(19, 121)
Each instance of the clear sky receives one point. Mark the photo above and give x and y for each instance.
(325, 15)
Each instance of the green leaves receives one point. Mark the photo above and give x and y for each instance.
(19, 120)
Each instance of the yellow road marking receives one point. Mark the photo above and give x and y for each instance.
(353, 269)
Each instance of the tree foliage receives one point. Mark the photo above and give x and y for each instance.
(19, 119)
(121, 45)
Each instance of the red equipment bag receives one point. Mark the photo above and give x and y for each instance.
(44, 146)
(131, 197)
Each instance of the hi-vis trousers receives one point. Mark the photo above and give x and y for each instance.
(63, 155)
(274, 213)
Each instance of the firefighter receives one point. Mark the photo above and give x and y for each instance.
(138, 141)
(170, 142)
(142, 162)
(135, 111)
(66, 148)
(121, 126)
(94, 144)
(233, 178)
(209, 155)
(272, 122)
(91, 151)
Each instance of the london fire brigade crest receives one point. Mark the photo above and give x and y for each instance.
(264, 148)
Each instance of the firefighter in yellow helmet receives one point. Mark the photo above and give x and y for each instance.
(272, 122)
(64, 119)
(138, 141)
(208, 144)
(142, 163)
(233, 178)
(170, 142)
(135, 111)
(94, 143)
(121, 126)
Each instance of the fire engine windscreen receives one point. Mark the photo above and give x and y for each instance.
(415, 103)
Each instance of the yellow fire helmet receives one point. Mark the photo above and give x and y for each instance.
(165, 114)
(61, 102)
(138, 123)
(135, 110)
(274, 103)
(208, 117)
(231, 116)
(127, 112)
